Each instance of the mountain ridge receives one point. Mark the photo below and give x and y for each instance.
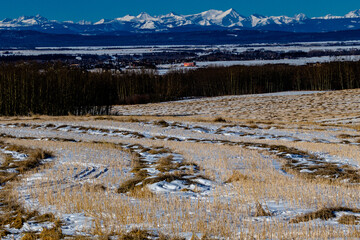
(217, 19)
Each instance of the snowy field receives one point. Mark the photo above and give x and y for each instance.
(270, 166)
(199, 49)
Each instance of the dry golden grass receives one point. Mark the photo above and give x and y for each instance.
(306, 108)
(263, 184)
(248, 183)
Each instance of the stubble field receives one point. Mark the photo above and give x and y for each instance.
(270, 166)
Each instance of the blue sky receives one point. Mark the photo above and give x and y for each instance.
(94, 10)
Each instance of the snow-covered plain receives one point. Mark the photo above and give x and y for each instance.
(219, 172)
(203, 50)
(199, 49)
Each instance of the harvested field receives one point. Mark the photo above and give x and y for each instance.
(271, 166)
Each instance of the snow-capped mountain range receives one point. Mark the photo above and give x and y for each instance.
(212, 19)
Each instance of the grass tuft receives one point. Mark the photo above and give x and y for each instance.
(137, 234)
(17, 222)
(29, 236)
(237, 177)
(54, 233)
(261, 212)
(47, 217)
(349, 220)
(219, 119)
(129, 184)
(165, 164)
(162, 123)
(159, 150)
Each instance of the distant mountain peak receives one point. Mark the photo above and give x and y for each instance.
(171, 14)
(300, 16)
(101, 21)
(353, 14)
(145, 16)
(232, 12)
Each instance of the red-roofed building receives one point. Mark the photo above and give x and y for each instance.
(189, 64)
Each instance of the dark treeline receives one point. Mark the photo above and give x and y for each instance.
(52, 89)
(57, 89)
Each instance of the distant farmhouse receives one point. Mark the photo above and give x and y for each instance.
(189, 64)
